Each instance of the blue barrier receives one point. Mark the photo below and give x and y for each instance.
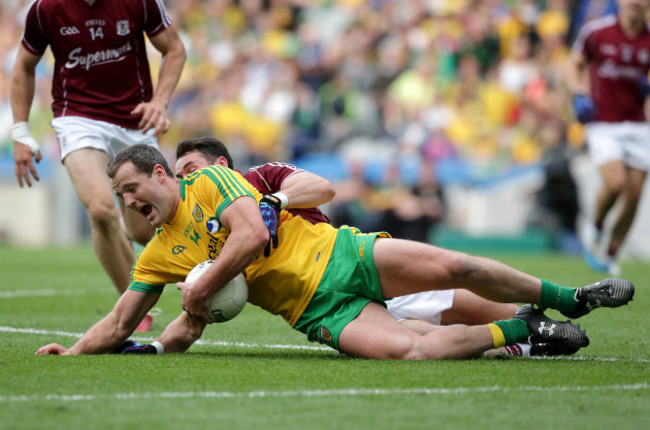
(451, 171)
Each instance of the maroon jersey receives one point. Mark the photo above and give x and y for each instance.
(101, 69)
(268, 178)
(616, 66)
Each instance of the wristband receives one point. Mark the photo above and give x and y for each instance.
(20, 133)
(284, 200)
(160, 348)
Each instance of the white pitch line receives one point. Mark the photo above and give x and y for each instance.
(318, 393)
(5, 329)
(36, 293)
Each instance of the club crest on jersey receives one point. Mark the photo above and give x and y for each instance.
(123, 28)
(212, 224)
(325, 334)
(197, 213)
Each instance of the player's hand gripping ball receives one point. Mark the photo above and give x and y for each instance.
(228, 302)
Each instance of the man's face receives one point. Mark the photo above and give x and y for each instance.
(142, 193)
(190, 162)
(633, 7)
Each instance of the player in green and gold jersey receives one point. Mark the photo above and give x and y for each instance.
(196, 234)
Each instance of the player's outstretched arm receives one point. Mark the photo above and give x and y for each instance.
(307, 190)
(154, 112)
(113, 329)
(178, 336)
(23, 83)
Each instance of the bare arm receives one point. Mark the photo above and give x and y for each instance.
(248, 236)
(113, 329)
(577, 76)
(307, 190)
(181, 333)
(154, 115)
(23, 83)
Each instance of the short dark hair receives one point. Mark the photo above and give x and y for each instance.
(210, 147)
(144, 158)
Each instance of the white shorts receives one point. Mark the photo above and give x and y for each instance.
(626, 141)
(427, 306)
(76, 132)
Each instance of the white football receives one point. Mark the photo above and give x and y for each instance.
(228, 302)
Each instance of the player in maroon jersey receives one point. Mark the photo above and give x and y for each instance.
(103, 100)
(609, 79)
(305, 190)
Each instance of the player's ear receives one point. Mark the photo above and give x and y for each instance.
(159, 171)
(221, 161)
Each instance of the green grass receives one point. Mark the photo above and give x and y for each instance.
(249, 381)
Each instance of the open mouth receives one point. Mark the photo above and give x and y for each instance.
(146, 210)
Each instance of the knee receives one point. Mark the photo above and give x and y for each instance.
(615, 186)
(102, 213)
(405, 349)
(461, 265)
(418, 347)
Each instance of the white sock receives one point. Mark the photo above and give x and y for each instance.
(518, 350)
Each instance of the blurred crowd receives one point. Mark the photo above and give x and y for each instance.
(475, 80)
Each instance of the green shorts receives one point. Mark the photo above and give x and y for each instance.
(349, 283)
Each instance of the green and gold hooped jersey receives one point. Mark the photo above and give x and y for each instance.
(282, 283)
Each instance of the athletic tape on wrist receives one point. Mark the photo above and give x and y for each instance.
(20, 133)
(160, 348)
(284, 200)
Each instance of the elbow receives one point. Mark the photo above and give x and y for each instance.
(329, 191)
(177, 51)
(326, 192)
(260, 237)
(182, 54)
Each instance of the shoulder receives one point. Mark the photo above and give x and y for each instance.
(226, 180)
(275, 166)
(42, 8)
(151, 254)
(604, 23)
(157, 18)
(271, 175)
(46, 6)
(592, 29)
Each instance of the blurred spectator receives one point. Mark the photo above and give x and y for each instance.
(280, 78)
(471, 80)
(556, 209)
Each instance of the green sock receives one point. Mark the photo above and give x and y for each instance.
(557, 297)
(514, 330)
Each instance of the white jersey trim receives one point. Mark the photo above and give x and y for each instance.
(590, 27)
(276, 164)
(166, 20)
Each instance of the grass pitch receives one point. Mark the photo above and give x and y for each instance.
(256, 372)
